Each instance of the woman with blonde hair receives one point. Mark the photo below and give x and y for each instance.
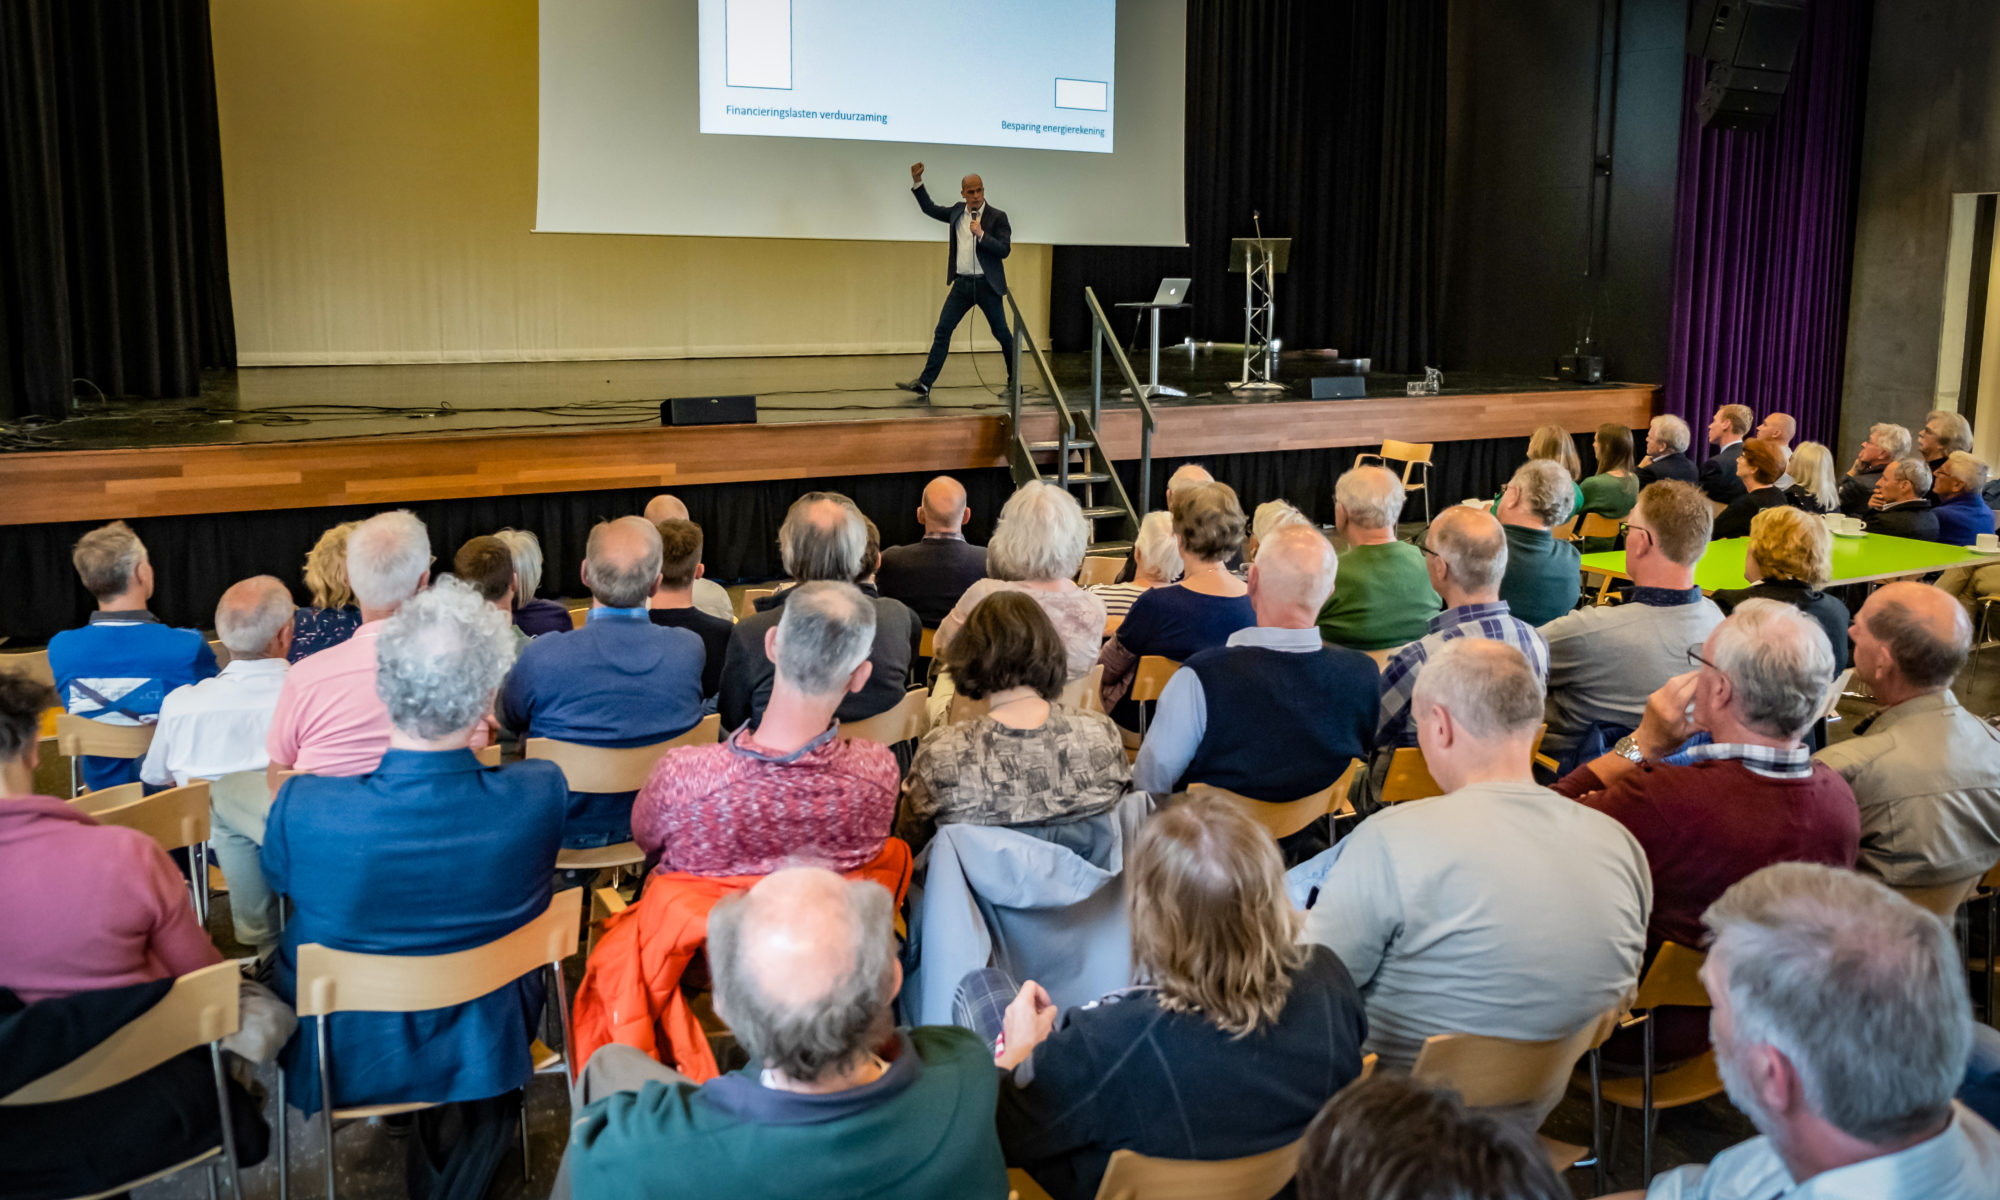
(1232, 1037)
(1814, 488)
(333, 615)
(1553, 442)
(1790, 559)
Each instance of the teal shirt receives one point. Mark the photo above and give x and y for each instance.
(1607, 496)
(1544, 576)
(1381, 598)
(929, 1132)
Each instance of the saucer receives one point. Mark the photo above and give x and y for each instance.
(1978, 550)
(1859, 533)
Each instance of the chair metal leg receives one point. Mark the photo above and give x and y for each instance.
(326, 1096)
(228, 1127)
(1597, 1120)
(211, 1180)
(284, 1147)
(1992, 954)
(1646, 1113)
(571, 1068)
(527, 1169)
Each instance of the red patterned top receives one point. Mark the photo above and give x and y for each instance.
(737, 809)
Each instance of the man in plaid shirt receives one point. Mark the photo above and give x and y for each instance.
(1465, 551)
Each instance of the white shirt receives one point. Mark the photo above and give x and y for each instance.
(1962, 1163)
(966, 245)
(216, 727)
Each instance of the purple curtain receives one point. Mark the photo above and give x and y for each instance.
(1763, 239)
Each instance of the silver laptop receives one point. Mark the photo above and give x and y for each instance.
(1172, 291)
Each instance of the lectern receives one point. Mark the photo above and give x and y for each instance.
(1260, 260)
(1154, 307)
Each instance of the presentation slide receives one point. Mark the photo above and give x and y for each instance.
(800, 118)
(1032, 73)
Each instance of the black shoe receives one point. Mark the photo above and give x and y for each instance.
(918, 386)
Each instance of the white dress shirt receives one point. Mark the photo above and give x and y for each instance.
(216, 727)
(1962, 1163)
(966, 245)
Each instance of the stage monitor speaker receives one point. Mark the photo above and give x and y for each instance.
(1580, 368)
(709, 410)
(1752, 45)
(1339, 387)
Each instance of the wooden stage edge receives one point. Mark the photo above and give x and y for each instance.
(102, 485)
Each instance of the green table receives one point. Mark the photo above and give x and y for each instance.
(1855, 560)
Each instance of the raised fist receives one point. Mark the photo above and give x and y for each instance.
(916, 173)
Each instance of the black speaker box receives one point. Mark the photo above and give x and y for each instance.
(1339, 387)
(709, 410)
(1741, 98)
(1580, 368)
(1763, 34)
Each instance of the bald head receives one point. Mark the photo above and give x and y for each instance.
(665, 508)
(1292, 577)
(254, 618)
(1777, 429)
(1910, 638)
(621, 565)
(943, 510)
(1187, 476)
(1468, 555)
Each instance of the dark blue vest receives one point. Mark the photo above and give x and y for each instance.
(1283, 724)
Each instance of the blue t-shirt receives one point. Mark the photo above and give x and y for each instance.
(119, 668)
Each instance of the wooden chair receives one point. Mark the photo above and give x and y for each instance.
(1286, 818)
(906, 722)
(927, 644)
(1086, 694)
(1412, 455)
(77, 737)
(1565, 532)
(336, 981)
(1112, 625)
(1383, 655)
(1597, 525)
(176, 819)
(1148, 681)
(579, 616)
(199, 1009)
(1099, 568)
(489, 755)
(1409, 776)
(612, 769)
(1674, 979)
(747, 606)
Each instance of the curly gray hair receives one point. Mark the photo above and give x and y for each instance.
(439, 660)
(1546, 490)
(1041, 535)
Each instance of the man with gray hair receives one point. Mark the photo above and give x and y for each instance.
(1384, 598)
(1962, 512)
(1544, 576)
(834, 1100)
(120, 666)
(787, 783)
(1841, 1026)
(824, 538)
(1925, 772)
(1667, 439)
(427, 853)
(619, 680)
(215, 730)
(1899, 507)
(1886, 443)
(1498, 908)
(1943, 432)
(709, 596)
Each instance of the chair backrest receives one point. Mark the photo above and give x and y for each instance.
(1597, 525)
(488, 755)
(1942, 899)
(331, 981)
(1085, 694)
(1674, 979)
(747, 607)
(1132, 1176)
(34, 664)
(1112, 625)
(905, 722)
(615, 768)
(80, 735)
(1406, 452)
(578, 617)
(1099, 568)
(1151, 678)
(1383, 655)
(1833, 693)
(1410, 778)
(927, 644)
(1495, 1072)
(199, 1009)
(1282, 818)
(1565, 532)
(173, 818)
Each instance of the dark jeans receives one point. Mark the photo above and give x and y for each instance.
(967, 291)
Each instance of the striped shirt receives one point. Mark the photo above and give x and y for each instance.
(1494, 622)
(1118, 597)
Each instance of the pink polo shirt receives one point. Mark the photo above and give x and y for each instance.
(329, 721)
(86, 906)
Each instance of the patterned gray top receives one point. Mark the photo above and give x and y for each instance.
(984, 773)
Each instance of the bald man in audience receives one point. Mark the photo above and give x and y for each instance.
(1779, 429)
(932, 574)
(620, 680)
(1925, 772)
(1185, 476)
(709, 596)
(835, 1100)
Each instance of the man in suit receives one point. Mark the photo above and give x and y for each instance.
(1666, 452)
(1718, 474)
(974, 267)
(1899, 508)
(931, 575)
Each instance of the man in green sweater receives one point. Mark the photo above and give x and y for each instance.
(835, 1102)
(1382, 595)
(1544, 576)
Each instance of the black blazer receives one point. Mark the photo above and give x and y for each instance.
(1829, 613)
(1855, 491)
(1910, 519)
(747, 672)
(1718, 475)
(992, 248)
(930, 575)
(1668, 466)
(1734, 521)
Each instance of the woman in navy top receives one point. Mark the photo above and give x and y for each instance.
(1199, 612)
(332, 617)
(532, 616)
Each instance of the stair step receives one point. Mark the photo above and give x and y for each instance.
(1100, 511)
(1082, 477)
(1050, 447)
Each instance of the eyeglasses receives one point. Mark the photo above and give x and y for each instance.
(1696, 660)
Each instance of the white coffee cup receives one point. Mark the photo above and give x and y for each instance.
(1988, 541)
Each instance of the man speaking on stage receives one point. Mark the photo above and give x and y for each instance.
(980, 240)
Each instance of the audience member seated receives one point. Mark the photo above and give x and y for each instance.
(1027, 760)
(330, 719)
(1789, 560)
(1274, 714)
(1269, 517)
(1233, 1039)
(785, 784)
(1156, 559)
(532, 616)
(823, 539)
(709, 596)
(1036, 549)
(1778, 429)
(1962, 513)
(835, 1101)
(1943, 434)
(1898, 507)
(217, 728)
(1185, 476)
(1615, 488)
(1604, 661)
(1392, 1138)
(932, 574)
(1498, 908)
(1544, 577)
(1196, 614)
(1814, 487)
(1886, 443)
(1667, 440)
(1759, 468)
(1466, 555)
(673, 606)
(1842, 1025)
(1383, 598)
(1925, 772)
(486, 564)
(1717, 782)
(1718, 474)
(412, 858)
(1552, 443)
(619, 680)
(332, 617)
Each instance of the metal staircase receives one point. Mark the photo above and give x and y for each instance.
(1076, 457)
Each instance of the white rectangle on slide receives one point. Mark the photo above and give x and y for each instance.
(1089, 95)
(758, 37)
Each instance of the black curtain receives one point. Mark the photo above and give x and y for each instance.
(114, 274)
(1327, 116)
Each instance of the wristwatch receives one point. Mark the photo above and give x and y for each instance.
(1628, 747)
